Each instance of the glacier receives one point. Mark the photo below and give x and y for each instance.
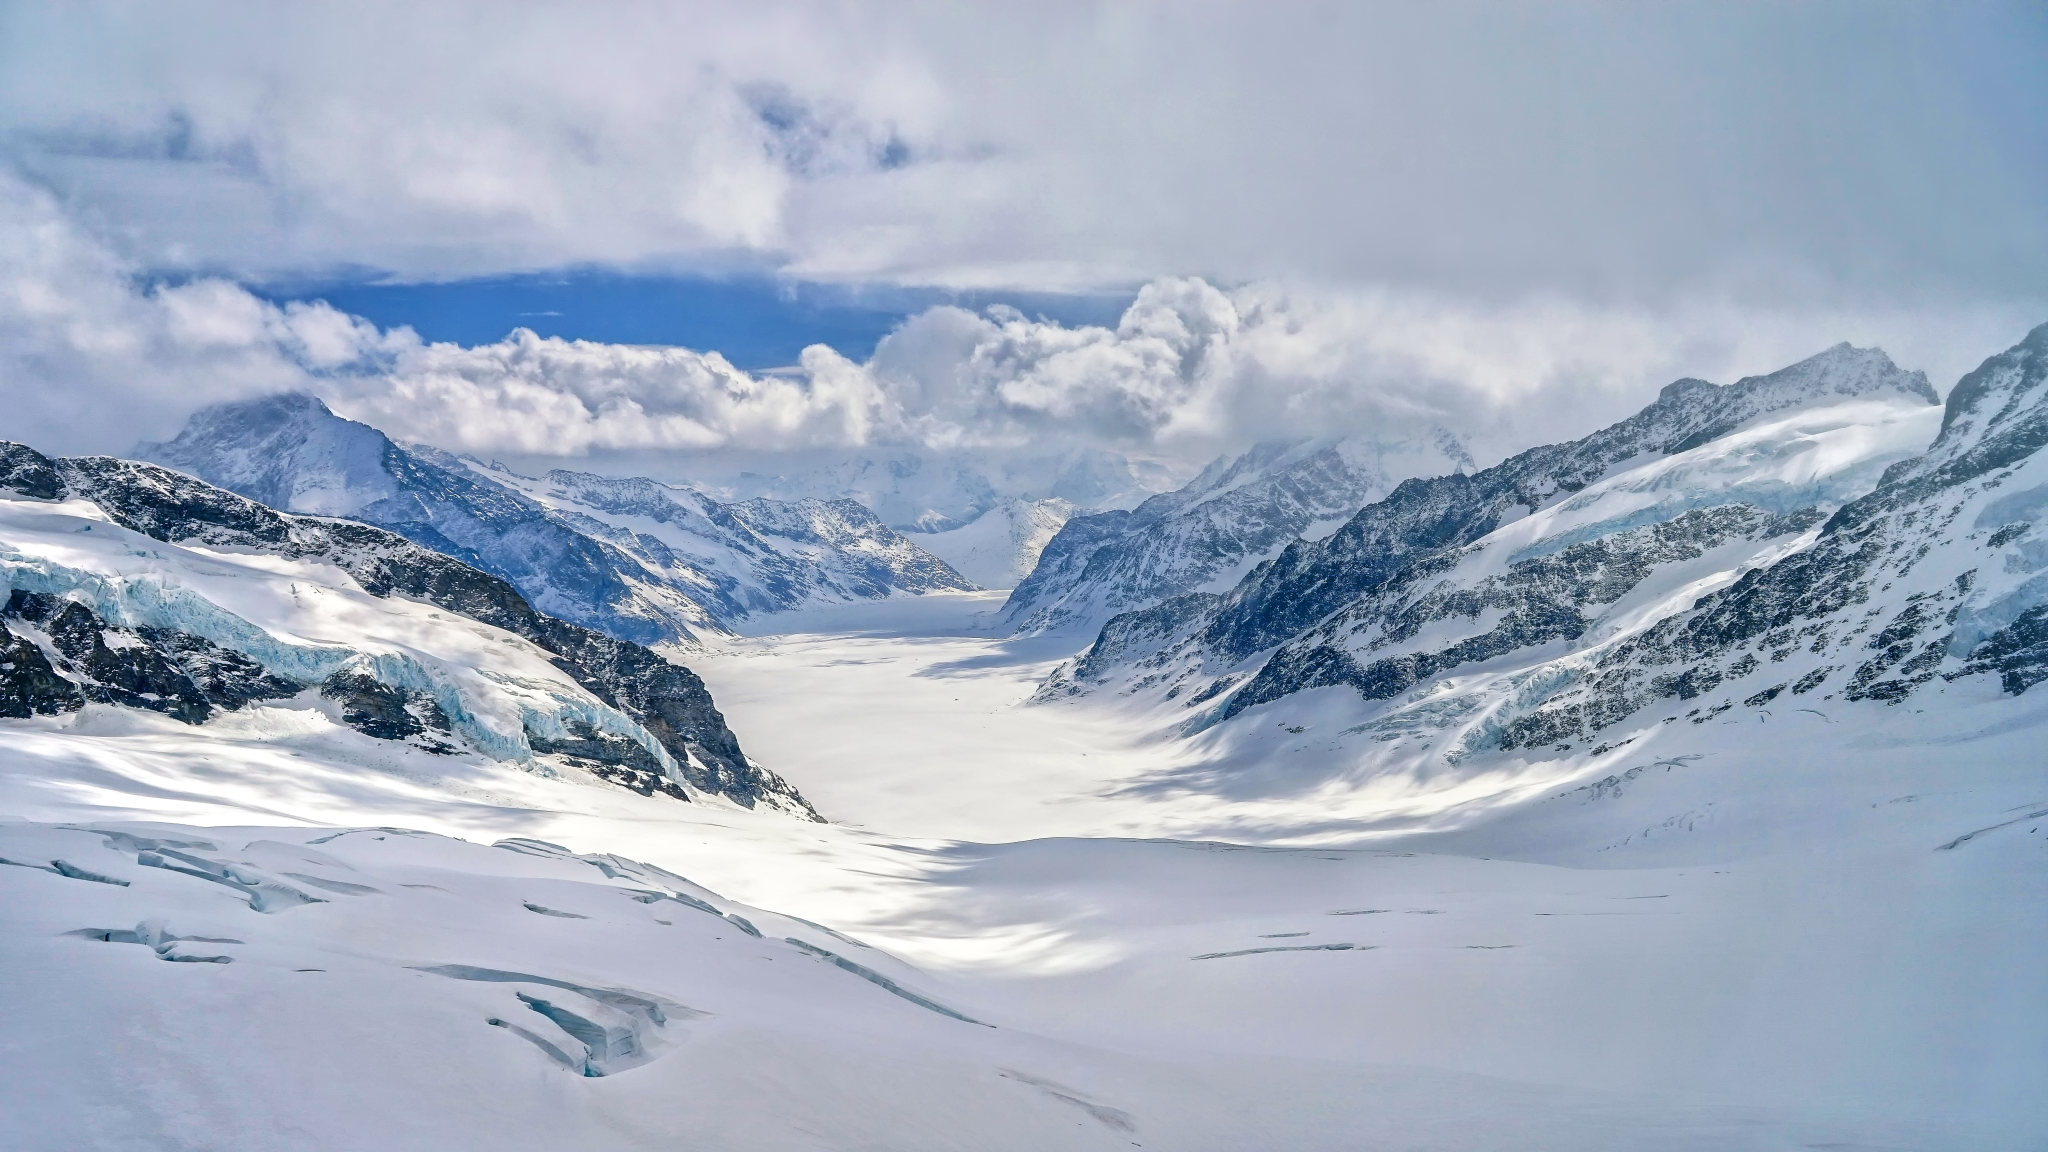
(1408, 836)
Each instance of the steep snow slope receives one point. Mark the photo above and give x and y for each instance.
(1766, 573)
(1002, 546)
(1203, 536)
(1458, 571)
(636, 559)
(135, 586)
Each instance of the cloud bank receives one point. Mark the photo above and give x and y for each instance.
(94, 357)
(1603, 150)
(1513, 221)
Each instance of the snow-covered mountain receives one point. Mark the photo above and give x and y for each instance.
(137, 588)
(1562, 836)
(921, 490)
(1937, 577)
(1204, 536)
(633, 558)
(748, 557)
(988, 514)
(1002, 546)
(1560, 598)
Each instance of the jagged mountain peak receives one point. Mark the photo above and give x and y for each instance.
(288, 451)
(1666, 570)
(1844, 370)
(1429, 516)
(1689, 412)
(1684, 386)
(2001, 397)
(1240, 510)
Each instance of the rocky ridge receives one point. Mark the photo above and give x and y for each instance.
(1551, 601)
(1203, 536)
(190, 677)
(1940, 572)
(635, 559)
(1424, 518)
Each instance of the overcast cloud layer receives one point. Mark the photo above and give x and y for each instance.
(1510, 221)
(1585, 147)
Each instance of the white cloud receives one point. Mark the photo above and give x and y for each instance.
(1513, 221)
(544, 396)
(1586, 148)
(89, 360)
(92, 360)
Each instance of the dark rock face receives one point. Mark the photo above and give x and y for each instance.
(180, 675)
(167, 506)
(28, 472)
(2018, 653)
(224, 676)
(29, 686)
(612, 758)
(670, 701)
(384, 711)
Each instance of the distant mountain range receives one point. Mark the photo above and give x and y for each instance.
(1784, 540)
(988, 514)
(1204, 536)
(633, 558)
(1828, 532)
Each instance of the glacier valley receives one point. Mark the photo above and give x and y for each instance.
(1678, 787)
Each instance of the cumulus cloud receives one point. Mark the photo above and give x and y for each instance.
(1513, 221)
(530, 395)
(89, 359)
(93, 358)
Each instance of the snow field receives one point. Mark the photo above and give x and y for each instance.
(1753, 944)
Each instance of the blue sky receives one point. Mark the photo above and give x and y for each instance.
(1514, 220)
(756, 323)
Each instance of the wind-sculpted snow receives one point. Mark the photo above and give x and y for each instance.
(156, 590)
(632, 558)
(416, 946)
(1236, 513)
